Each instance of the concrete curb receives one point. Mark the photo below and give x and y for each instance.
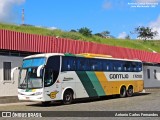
(151, 89)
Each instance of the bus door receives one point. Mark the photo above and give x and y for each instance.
(52, 87)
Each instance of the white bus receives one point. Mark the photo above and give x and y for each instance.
(56, 76)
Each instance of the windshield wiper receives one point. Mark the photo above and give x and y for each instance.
(23, 85)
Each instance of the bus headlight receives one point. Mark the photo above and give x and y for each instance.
(38, 93)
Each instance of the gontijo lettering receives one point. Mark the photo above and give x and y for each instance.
(118, 76)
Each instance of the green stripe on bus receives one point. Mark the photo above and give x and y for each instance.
(87, 83)
(69, 54)
(96, 83)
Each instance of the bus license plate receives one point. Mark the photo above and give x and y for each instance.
(27, 98)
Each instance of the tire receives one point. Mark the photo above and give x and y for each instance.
(123, 92)
(130, 91)
(67, 97)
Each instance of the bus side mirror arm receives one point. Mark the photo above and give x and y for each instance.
(39, 70)
(12, 72)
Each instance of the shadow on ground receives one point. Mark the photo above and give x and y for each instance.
(86, 100)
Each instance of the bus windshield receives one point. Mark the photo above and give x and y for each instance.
(28, 73)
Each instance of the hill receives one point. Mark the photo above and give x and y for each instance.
(150, 45)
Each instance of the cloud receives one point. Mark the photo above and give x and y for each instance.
(52, 28)
(147, 1)
(49, 28)
(107, 5)
(110, 4)
(122, 35)
(155, 25)
(6, 9)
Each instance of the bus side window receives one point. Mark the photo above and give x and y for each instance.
(68, 63)
(111, 66)
(68, 67)
(82, 64)
(71, 64)
(100, 65)
(92, 65)
(64, 64)
(139, 67)
(125, 66)
(133, 66)
(114, 66)
(96, 65)
(119, 65)
(106, 66)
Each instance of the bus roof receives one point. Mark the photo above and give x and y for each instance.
(44, 55)
(85, 55)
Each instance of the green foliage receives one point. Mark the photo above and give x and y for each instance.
(85, 31)
(145, 32)
(73, 30)
(98, 34)
(105, 33)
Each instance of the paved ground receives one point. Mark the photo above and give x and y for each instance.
(149, 101)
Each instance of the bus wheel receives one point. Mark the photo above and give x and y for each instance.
(67, 97)
(123, 92)
(130, 91)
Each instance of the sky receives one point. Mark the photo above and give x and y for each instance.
(119, 17)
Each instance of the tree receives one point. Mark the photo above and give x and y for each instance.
(99, 34)
(145, 32)
(127, 37)
(85, 31)
(73, 30)
(103, 34)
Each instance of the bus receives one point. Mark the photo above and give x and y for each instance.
(65, 76)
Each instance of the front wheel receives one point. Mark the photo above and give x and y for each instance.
(67, 97)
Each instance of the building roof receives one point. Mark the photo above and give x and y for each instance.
(11, 40)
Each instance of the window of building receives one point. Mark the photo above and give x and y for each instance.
(155, 72)
(7, 70)
(148, 73)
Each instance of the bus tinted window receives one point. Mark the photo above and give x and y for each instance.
(127, 66)
(116, 65)
(68, 64)
(139, 67)
(96, 65)
(106, 65)
(93, 64)
(82, 64)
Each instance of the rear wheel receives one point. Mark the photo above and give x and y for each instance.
(130, 91)
(67, 97)
(123, 92)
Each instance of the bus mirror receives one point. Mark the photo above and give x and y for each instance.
(12, 72)
(39, 70)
